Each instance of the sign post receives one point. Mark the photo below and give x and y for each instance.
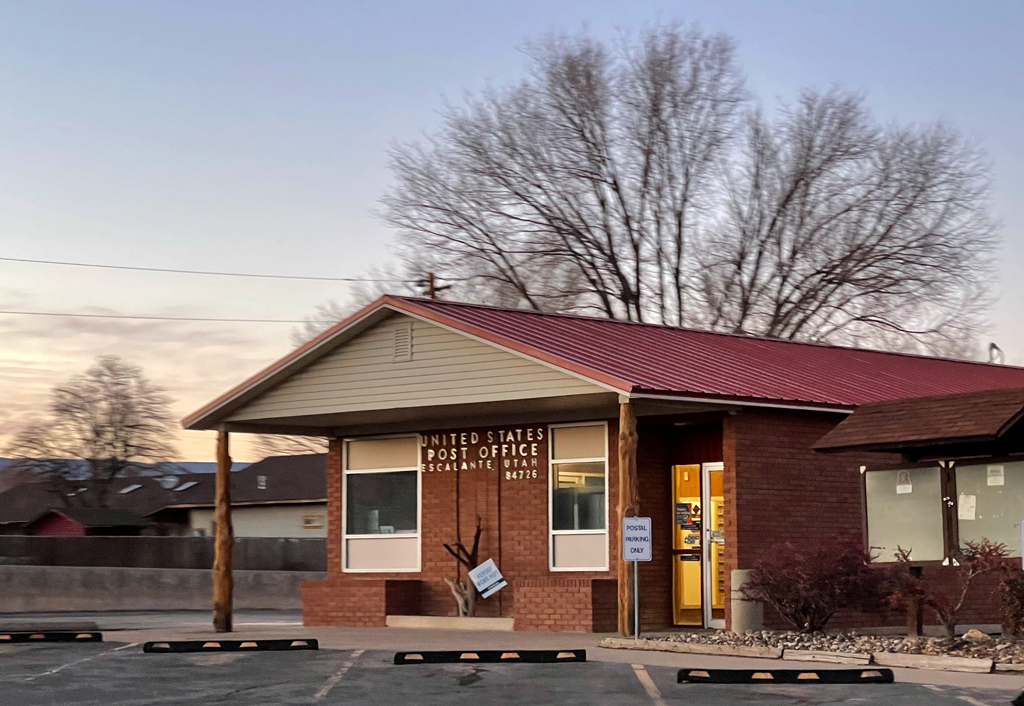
(636, 547)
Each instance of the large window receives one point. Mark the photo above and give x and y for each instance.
(578, 483)
(905, 511)
(990, 503)
(381, 503)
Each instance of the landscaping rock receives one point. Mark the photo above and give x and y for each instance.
(975, 635)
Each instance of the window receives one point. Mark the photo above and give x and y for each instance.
(578, 487)
(186, 486)
(261, 482)
(905, 510)
(129, 488)
(312, 521)
(990, 503)
(381, 505)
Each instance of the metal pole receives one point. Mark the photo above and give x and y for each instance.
(636, 599)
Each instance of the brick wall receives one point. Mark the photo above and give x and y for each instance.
(514, 522)
(566, 604)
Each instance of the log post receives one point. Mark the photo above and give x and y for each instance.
(629, 503)
(223, 583)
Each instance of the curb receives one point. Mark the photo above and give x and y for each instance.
(626, 643)
(884, 659)
(829, 657)
(948, 664)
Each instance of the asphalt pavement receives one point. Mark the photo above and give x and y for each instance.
(120, 674)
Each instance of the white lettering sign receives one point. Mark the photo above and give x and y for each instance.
(487, 579)
(636, 539)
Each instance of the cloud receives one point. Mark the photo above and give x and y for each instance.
(194, 361)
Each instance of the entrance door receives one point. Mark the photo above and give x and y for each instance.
(698, 541)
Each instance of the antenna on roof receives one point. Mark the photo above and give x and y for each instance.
(995, 354)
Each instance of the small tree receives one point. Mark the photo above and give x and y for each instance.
(807, 586)
(104, 424)
(947, 601)
(465, 591)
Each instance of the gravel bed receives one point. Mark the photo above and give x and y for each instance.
(975, 644)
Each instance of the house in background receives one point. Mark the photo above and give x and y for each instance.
(282, 496)
(87, 522)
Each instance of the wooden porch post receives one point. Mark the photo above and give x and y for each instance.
(629, 503)
(223, 583)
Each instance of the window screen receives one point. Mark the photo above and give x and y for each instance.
(905, 510)
(990, 503)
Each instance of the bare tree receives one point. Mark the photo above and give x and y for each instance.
(641, 184)
(266, 445)
(104, 424)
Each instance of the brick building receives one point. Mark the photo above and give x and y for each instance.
(548, 429)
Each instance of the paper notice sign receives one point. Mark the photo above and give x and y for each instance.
(967, 506)
(903, 484)
(996, 475)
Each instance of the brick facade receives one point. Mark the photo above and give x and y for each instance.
(777, 491)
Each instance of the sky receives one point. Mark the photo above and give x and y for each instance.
(252, 136)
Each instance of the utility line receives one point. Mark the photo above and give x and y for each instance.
(196, 272)
(156, 318)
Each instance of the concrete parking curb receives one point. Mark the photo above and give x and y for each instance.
(949, 664)
(827, 657)
(626, 643)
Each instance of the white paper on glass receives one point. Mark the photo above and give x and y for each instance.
(967, 506)
(996, 475)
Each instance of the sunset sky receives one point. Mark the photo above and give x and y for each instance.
(251, 136)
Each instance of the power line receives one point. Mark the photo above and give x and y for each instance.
(155, 318)
(197, 272)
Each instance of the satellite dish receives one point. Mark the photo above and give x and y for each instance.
(167, 482)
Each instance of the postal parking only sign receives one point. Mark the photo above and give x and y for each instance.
(636, 538)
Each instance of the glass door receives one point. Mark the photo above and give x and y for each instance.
(687, 606)
(713, 559)
(698, 543)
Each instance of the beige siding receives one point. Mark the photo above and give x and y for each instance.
(446, 368)
(265, 520)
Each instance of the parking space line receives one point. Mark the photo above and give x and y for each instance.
(336, 677)
(971, 700)
(62, 667)
(649, 686)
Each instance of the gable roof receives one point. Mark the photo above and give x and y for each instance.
(944, 420)
(647, 359)
(289, 479)
(96, 517)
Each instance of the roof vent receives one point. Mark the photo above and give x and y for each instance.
(261, 482)
(403, 342)
(186, 486)
(129, 488)
(167, 482)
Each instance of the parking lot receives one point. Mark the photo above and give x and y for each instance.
(108, 673)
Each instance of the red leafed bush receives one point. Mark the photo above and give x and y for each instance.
(947, 600)
(806, 585)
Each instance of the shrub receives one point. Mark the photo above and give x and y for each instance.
(1012, 594)
(947, 600)
(806, 586)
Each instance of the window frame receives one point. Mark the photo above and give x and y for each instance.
(418, 535)
(551, 492)
(949, 502)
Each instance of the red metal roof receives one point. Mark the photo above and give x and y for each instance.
(666, 360)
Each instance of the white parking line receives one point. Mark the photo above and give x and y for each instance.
(79, 661)
(649, 686)
(336, 677)
(973, 701)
